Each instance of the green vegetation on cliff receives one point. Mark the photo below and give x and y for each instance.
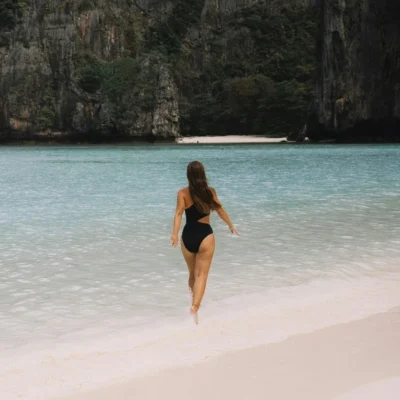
(112, 78)
(168, 35)
(258, 80)
(46, 115)
(10, 13)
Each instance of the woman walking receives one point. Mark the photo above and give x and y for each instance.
(197, 200)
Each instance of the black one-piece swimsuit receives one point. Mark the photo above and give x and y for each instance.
(194, 231)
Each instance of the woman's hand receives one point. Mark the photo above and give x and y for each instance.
(234, 230)
(174, 240)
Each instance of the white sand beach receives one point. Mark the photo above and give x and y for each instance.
(359, 360)
(230, 139)
(303, 342)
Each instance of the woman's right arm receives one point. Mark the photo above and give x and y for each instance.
(223, 214)
(180, 208)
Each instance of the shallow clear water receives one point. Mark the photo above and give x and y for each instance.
(85, 231)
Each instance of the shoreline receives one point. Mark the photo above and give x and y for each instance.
(172, 141)
(252, 321)
(336, 362)
(231, 139)
(137, 141)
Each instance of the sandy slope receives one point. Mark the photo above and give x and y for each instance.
(325, 364)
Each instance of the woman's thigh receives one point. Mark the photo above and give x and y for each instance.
(205, 255)
(189, 257)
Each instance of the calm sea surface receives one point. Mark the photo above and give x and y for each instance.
(84, 231)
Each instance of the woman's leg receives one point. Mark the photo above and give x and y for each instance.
(190, 259)
(202, 267)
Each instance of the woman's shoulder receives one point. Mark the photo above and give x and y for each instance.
(184, 191)
(184, 194)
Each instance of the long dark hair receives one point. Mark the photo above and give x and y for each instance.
(199, 190)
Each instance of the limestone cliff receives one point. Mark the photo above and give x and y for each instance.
(357, 92)
(60, 72)
(96, 69)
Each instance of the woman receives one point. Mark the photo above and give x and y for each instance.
(198, 243)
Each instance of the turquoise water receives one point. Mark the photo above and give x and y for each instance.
(85, 230)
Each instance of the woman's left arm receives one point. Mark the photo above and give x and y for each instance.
(180, 208)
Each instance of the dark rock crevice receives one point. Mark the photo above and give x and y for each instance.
(374, 131)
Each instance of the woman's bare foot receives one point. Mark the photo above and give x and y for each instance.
(193, 310)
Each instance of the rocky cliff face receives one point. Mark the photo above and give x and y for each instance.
(60, 72)
(97, 69)
(357, 93)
